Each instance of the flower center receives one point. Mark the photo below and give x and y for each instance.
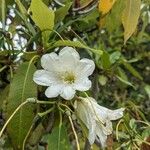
(68, 77)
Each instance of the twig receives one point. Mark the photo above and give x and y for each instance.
(9, 119)
(75, 134)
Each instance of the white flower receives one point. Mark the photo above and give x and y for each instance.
(96, 118)
(64, 73)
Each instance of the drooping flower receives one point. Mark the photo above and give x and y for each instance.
(65, 73)
(96, 118)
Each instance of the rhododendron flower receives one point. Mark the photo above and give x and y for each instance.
(64, 73)
(96, 118)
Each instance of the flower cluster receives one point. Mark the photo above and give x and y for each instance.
(65, 73)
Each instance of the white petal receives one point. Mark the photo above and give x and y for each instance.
(108, 128)
(49, 61)
(69, 51)
(43, 77)
(53, 91)
(85, 68)
(116, 114)
(69, 57)
(102, 137)
(67, 93)
(109, 114)
(85, 115)
(82, 84)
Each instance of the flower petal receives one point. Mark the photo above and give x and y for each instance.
(83, 84)
(67, 93)
(115, 114)
(50, 61)
(102, 137)
(53, 91)
(85, 115)
(43, 77)
(69, 57)
(85, 68)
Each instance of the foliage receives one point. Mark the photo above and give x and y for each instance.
(115, 34)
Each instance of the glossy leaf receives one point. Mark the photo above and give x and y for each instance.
(42, 16)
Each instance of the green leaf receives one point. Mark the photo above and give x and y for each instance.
(114, 16)
(54, 136)
(105, 59)
(124, 81)
(21, 88)
(2, 9)
(130, 17)
(102, 80)
(73, 44)
(122, 74)
(24, 16)
(147, 90)
(3, 97)
(42, 16)
(22, 8)
(123, 77)
(115, 56)
(132, 70)
(62, 12)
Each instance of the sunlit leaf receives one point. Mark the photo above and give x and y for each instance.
(130, 17)
(42, 16)
(106, 5)
(74, 44)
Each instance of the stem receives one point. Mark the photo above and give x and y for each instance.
(3, 14)
(25, 139)
(117, 128)
(59, 132)
(3, 68)
(9, 119)
(66, 107)
(29, 131)
(46, 112)
(44, 102)
(75, 134)
(11, 72)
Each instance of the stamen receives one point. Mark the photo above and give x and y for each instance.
(68, 77)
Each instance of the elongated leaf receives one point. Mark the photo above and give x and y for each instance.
(132, 70)
(42, 16)
(62, 12)
(105, 60)
(106, 5)
(21, 88)
(123, 77)
(130, 17)
(74, 44)
(21, 8)
(63, 139)
(3, 97)
(114, 16)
